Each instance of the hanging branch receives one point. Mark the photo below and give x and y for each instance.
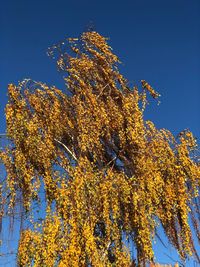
(67, 149)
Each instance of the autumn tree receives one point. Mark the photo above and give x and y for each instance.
(108, 175)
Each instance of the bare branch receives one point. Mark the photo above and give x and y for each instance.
(102, 90)
(67, 149)
(104, 254)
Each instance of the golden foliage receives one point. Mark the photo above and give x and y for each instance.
(165, 265)
(106, 172)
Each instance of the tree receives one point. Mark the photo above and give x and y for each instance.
(108, 175)
(158, 265)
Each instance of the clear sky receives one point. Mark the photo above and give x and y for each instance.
(158, 41)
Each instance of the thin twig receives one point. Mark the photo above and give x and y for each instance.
(157, 235)
(111, 161)
(104, 254)
(67, 149)
(3, 134)
(181, 264)
(102, 90)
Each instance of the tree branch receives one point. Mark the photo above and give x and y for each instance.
(67, 149)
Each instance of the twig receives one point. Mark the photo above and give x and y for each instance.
(3, 134)
(157, 235)
(104, 254)
(67, 149)
(181, 264)
(102, 90)
(111, 161)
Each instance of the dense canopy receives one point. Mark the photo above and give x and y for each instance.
(110, 178)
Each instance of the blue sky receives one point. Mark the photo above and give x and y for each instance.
(156, 40)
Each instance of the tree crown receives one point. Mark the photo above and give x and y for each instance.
(110, 178)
